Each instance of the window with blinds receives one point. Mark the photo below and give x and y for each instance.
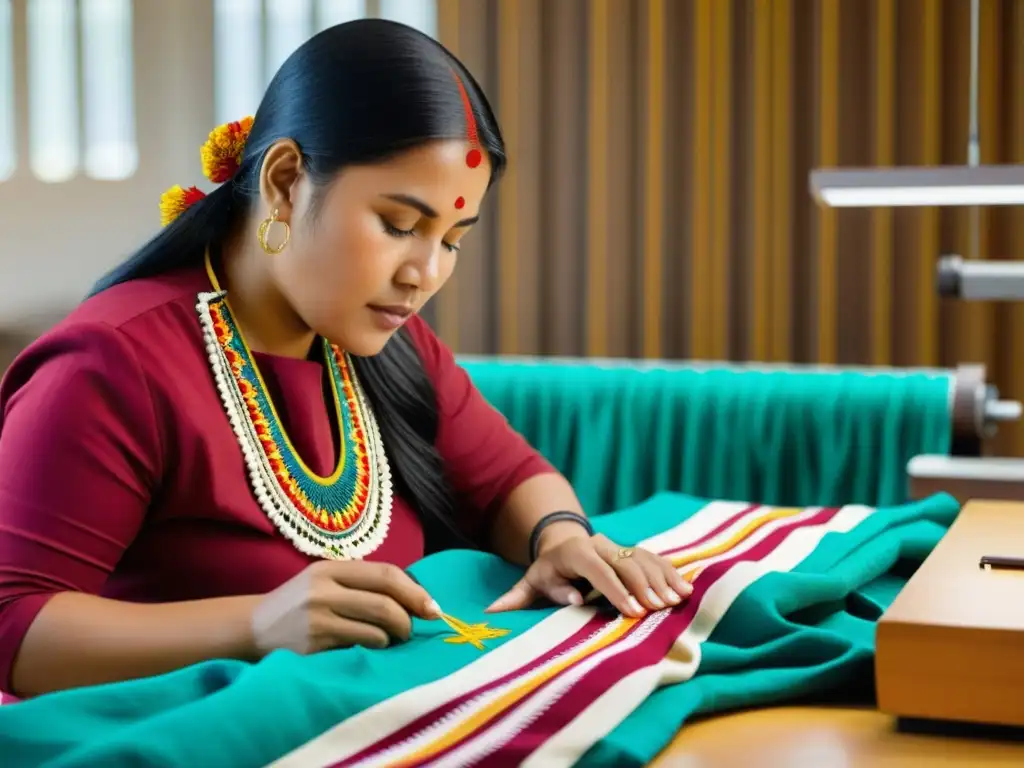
(254, 37)
(80, 103)
(78, 75)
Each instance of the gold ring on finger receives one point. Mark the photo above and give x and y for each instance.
(623, 553)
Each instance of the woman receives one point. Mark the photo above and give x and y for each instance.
(189, 470)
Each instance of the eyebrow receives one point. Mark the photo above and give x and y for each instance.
(426, 210)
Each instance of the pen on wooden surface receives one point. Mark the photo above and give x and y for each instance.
(995, 562)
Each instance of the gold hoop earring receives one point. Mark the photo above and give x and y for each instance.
(264, 230)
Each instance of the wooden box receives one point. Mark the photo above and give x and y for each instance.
(951, 646)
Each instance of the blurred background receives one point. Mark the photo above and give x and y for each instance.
(657, 203)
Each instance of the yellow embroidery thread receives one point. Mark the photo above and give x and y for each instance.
(471, 634)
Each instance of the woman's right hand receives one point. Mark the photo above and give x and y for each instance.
(334, 604)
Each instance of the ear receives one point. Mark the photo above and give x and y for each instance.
(281, 172)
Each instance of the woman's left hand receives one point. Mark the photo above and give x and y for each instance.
(634, 580)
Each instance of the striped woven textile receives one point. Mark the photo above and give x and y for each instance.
(784, 605)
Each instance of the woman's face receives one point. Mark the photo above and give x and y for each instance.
(384, 240)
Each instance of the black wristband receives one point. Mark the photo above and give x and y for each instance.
(556, 517)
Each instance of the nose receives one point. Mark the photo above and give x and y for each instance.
(422, 271)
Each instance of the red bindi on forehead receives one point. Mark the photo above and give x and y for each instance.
(474, 157)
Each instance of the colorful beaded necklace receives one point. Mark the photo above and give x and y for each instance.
(341, 517)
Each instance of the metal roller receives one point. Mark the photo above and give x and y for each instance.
(977, 410)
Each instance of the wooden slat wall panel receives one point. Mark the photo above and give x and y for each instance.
(652, 240)
(599, 194)
(722, 263)
(531, 179)
(883, 154)
(622, 278)
(701, 274)
(657, 204)
(510, 246)
(760, 320)
(955, 223)
(854, 265)
(780, 317)
(930, 121)
(680, 190)
(564, 200)
(828, 157)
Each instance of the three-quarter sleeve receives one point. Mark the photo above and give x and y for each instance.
(485, 458)
(80, 456)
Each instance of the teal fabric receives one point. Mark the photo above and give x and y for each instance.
(798, 437)
(790, 634)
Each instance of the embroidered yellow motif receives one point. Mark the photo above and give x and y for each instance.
(471, 634)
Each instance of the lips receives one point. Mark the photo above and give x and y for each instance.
(390, 317)
(398, 310)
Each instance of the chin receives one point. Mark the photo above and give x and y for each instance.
(367, 344)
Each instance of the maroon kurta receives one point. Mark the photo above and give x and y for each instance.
(120, 474)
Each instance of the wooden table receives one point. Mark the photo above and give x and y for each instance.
(825, 737)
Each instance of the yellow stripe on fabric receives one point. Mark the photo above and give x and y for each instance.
(365, 732)
(761, 516)
(481, 718)
(777, 513)
(683, 661)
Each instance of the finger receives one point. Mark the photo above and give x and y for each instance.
(376, 609)
(519, 597)
(633, 575)
(605, 580)
(389, 580)
(626, 573)
(563, 594)
(328, 630)
(546, 581)
(675, 579)
(657, 579)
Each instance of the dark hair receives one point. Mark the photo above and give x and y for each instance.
(354, 94)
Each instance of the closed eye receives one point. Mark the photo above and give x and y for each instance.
(396, 232)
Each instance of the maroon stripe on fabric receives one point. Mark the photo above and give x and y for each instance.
(424, 721)
(627, 661)
(592, 626)
(679, 619)
(712, 534)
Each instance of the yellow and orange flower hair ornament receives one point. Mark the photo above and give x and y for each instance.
(221, 156)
